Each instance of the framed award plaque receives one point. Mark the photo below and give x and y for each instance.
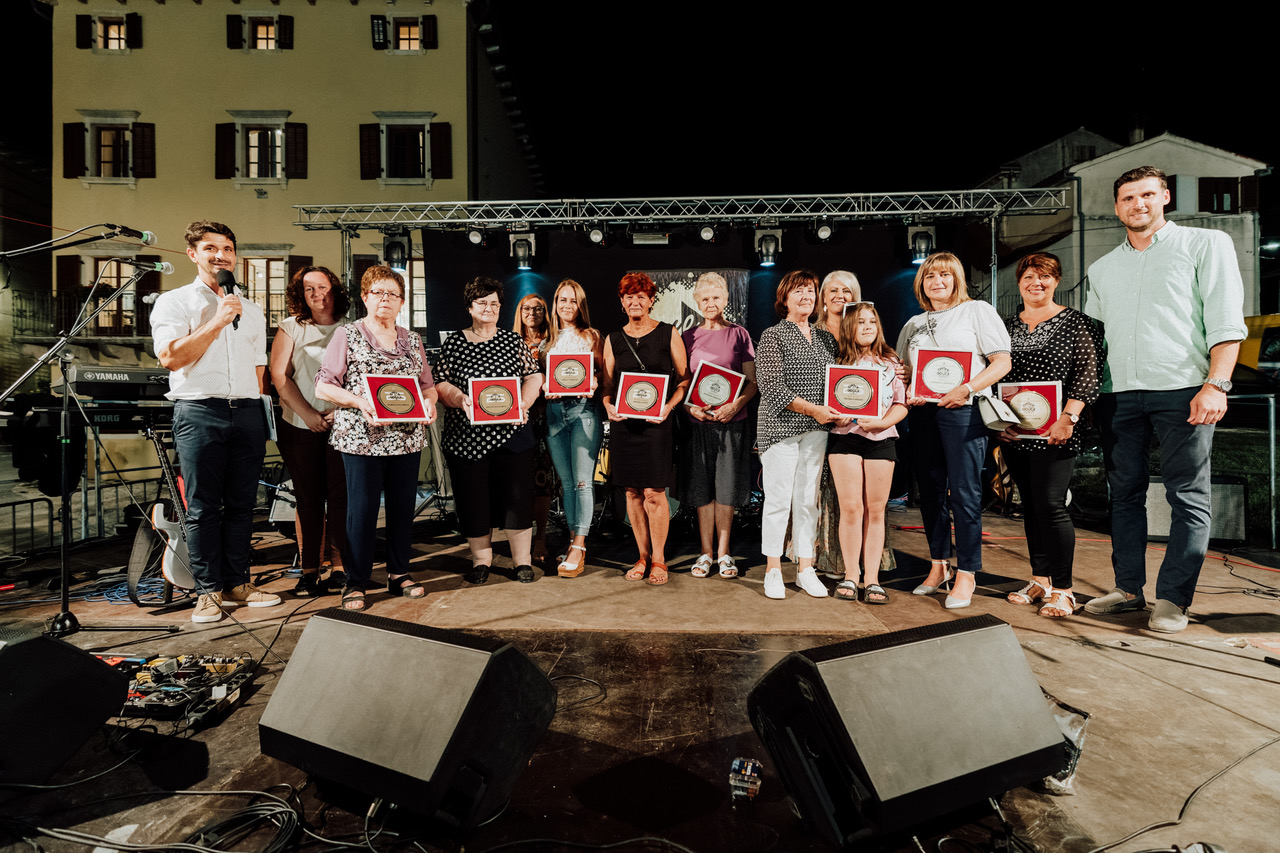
(1037, 405)
(396, 399)
(495, 400)
(853, 391)
(713, 386)
(938, 371)
(641, 395)
(569, 374)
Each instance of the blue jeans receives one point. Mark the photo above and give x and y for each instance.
(220, 447)
(950, 446)
(573, 437)
(1128, 420)
(368, 477)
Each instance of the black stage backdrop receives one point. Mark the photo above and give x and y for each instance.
(876, 253)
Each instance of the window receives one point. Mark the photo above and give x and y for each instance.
(262, 32)
(405, 148)
(265, 280)
(260, 146)
(415, 281)
(109, 33)
(404, 35)
(118, 318)
(109, 146)
(1219, 195)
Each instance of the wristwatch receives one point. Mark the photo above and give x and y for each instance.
(1075, 419)
(1223, 385)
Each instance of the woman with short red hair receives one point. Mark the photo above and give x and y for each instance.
(640, 450)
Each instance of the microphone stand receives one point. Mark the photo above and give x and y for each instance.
(65, 623)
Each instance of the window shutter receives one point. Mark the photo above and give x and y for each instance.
(370, 152)
(430, 32)
(144, 149)
(379, 27)
(1249, 193)
(73, 144)
(235, 32)
(66, 280)
(149, 283)
(224, 145)
(295, 150)
(133, 31)
(359, 264)
(441, 136)
(295, 263)
(284, 32)
(84, 32)
(1206, 195)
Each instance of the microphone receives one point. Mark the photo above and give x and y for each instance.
(147, 238)
(151, 298)
(227, 282)
(150, 266)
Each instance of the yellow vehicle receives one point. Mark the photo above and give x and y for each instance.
(1261, 349)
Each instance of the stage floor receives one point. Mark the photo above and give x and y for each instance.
(647, 753)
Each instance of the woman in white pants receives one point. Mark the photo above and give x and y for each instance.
(791, 362)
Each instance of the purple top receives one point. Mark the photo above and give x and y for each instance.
(730, 347)
(333, 369)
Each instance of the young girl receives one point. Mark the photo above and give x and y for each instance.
(862, 454)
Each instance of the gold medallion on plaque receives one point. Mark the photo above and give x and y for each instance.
(714, 389)
(642, 396)
(853, 391)
(570, 373)
(942, 374)
(1032, 408)
(395, 398)
(496, 400)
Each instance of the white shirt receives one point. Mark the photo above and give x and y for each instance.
(228, 368)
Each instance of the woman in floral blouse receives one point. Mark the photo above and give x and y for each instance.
(376, 459)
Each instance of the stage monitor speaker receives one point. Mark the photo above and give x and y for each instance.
(436, 721)
(883, 733)
(1228, 507)
(53, 697)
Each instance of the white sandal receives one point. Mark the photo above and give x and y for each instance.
(727, 568)
(702, 566)
(569, 570)
(1027, 595)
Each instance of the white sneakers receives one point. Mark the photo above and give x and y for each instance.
(807, 580)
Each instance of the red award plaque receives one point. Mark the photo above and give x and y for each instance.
(495, 400)
(1037, 405)
(938, 371)
(853, 391)
(641, 395)
(396, 399)
(569, 374)
(713, 386)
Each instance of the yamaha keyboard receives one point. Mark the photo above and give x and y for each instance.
(116, 384)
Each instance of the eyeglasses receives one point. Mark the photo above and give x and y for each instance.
(486, 304)
(380, 295)
(533, 309)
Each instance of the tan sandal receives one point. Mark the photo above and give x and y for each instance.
(657, 574)
(572, 570)
(637, 571)
(1028, 594)
(1060, 605)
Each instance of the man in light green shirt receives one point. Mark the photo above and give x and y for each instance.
(1170, 299)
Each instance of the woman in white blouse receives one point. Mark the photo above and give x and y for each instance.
(574, 424)
(948, 437)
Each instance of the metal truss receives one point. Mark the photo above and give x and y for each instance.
(753, 210)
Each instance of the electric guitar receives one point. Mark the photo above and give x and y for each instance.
(174, 563)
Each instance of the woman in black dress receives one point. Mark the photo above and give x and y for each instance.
(640, 450)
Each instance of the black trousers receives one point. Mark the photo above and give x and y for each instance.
(1042, 477)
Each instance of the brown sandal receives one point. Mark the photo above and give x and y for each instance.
(657, 574)
(637, 571)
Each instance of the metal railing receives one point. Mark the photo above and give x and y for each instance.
(17, 536)
(44, 314)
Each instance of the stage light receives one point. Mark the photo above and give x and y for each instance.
(822, 230)
(707, 233)
(397, 248)
(476, 237)
(921, 241)
(523, 248)
(768, 244)
(597, 234)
